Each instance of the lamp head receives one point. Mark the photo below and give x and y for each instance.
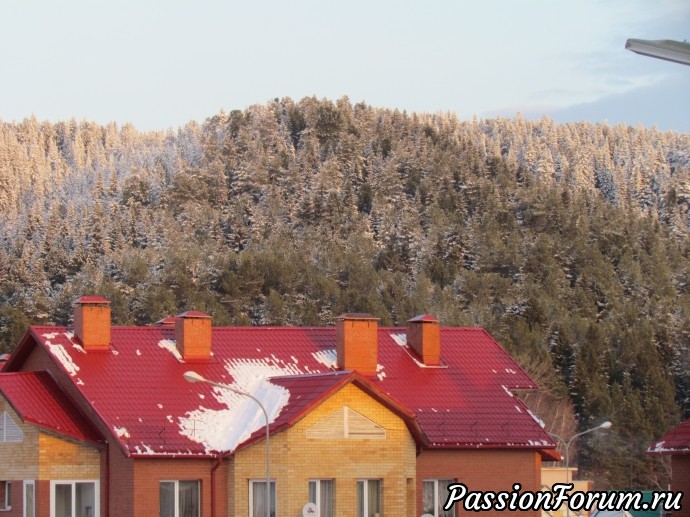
(605, 425)
(192, 376)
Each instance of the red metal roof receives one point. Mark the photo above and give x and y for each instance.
(39, 401)
(307, 391)
(676, 441)
(464, 403)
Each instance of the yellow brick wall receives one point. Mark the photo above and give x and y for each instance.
(295, 460)
(63, 459)
(59, 458)
(19, 460)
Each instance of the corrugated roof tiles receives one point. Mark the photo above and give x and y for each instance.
(138, 390)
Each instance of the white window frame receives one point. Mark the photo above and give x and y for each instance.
(251, 495)
(437, 501)
(32, 484)
(176, 482)
(73, 482)
(365, 494)
(7, 502)
(317, 482)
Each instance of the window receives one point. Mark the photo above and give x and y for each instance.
(74, 499)
(29, 499)
(434, 495)
(5, 496)
(369, 498)
(322, 494)
(257, 498)
(9, 430)
(179, 498)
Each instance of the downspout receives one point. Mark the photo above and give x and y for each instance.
(213, 484)
(106, 481)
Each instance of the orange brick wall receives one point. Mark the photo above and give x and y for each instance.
(63, 459)
(149, 473)
(357, 345)
(92, 325)
(193, 337)
(481, 470)
(296, 459)
(425, 339)
(121, 485)
(680, 481)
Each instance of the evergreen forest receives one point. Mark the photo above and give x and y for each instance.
(569, 243)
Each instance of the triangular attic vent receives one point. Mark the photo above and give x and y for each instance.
(9, 430)
(346, 423)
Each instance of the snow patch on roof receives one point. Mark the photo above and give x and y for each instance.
(400, 339)
(52, 335)
(63, 357)
(170, 346)
(505, 388)
(121, 432)
(328, 357)
(223, 430)
(537, 419)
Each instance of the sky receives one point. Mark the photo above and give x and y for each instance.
(160, 64)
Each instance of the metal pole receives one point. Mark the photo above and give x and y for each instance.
(198, 378)
(605, 425)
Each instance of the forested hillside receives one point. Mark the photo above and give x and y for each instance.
(568, 243)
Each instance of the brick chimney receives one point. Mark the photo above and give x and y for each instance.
(193, 336)
(424, 337)
(92, 323)
(357, 342)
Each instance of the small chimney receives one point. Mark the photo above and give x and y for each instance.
(168, 321)
(424, 337)
(193, 336)
(357, 342)
(92, 323)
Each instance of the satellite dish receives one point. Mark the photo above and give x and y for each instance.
(310, 510)
(427, 515)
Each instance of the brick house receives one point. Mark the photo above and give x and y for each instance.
(364, 420)
(676, 443)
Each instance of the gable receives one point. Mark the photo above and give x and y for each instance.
(346, 423)
(10, 432)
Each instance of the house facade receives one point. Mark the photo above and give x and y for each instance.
(364, 420)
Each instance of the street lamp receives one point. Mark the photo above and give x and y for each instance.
(603, 425)
(676, 51)
(192, 376)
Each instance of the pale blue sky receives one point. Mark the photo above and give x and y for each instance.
(159, 64)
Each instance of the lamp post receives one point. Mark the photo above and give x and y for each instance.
(676, 51)
(603, 425)
(192, 376)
